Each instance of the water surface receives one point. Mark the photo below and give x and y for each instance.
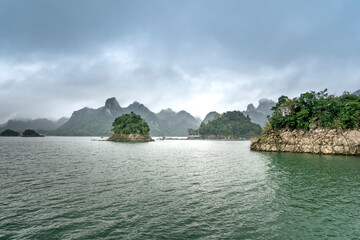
(74, 188)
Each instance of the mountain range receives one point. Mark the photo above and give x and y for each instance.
(97, 122)
(40, 124)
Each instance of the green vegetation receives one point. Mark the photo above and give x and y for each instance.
(130, 124)
(313, 109)
(9, 133)
(230, 124)
(193, 131)
(31, 133)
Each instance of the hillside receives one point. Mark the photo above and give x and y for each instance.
(210, 116)
(230, 125)
(177, 124)
(40, 125)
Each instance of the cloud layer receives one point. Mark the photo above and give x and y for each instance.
(58, 56)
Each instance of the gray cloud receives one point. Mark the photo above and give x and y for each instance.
(58, 56)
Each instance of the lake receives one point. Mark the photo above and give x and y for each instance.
(74, 188)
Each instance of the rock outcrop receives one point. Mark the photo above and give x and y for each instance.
(129, 138)
(318, 141)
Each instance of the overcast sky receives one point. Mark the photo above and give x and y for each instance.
(198, 55)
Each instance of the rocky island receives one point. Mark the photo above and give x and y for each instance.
(229, 125)
(31, 133)
(313, 123)
(130, 128)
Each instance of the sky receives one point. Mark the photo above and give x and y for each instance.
(195, 55)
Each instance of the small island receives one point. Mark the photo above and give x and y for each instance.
(314, 122)
(130, 128)
(232, 125)
(31, 133)
(9, 133)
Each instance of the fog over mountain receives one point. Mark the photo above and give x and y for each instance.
(259, 114)
(209, 117)
(40, 124)
(207, 55)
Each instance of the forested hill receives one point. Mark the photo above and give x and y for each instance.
(231, 125)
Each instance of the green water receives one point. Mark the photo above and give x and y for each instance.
(74, 188)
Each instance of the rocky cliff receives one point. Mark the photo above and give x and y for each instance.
(318, 141)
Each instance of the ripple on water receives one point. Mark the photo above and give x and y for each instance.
(74, 188)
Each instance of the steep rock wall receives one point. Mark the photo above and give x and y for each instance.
(318, 141)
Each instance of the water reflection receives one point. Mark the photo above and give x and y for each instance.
(316, 193)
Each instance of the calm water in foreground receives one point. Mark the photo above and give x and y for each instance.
(74, 188)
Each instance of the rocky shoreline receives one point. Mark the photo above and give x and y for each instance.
(318, 141)
(129, 138)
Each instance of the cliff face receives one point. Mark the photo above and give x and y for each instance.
(319, 141)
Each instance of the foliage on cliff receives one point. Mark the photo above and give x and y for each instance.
(130, 124)
(233, 124)
(314, 109)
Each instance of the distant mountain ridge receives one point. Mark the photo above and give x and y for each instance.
(97, 122)
(259, 115)
(176, 123)
(357, 92)
(40, 124)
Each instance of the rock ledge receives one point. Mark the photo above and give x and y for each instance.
(318, 141)
(129, 138)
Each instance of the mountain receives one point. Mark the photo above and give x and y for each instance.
(230, 125)
(177, 124)
(210, 116)
(40, 124)
(98, 122)
(9, 133)
(61, 121)
(357, 92)
(259, 115)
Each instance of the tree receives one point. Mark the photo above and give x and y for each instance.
(318, 108)
(130, 124)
